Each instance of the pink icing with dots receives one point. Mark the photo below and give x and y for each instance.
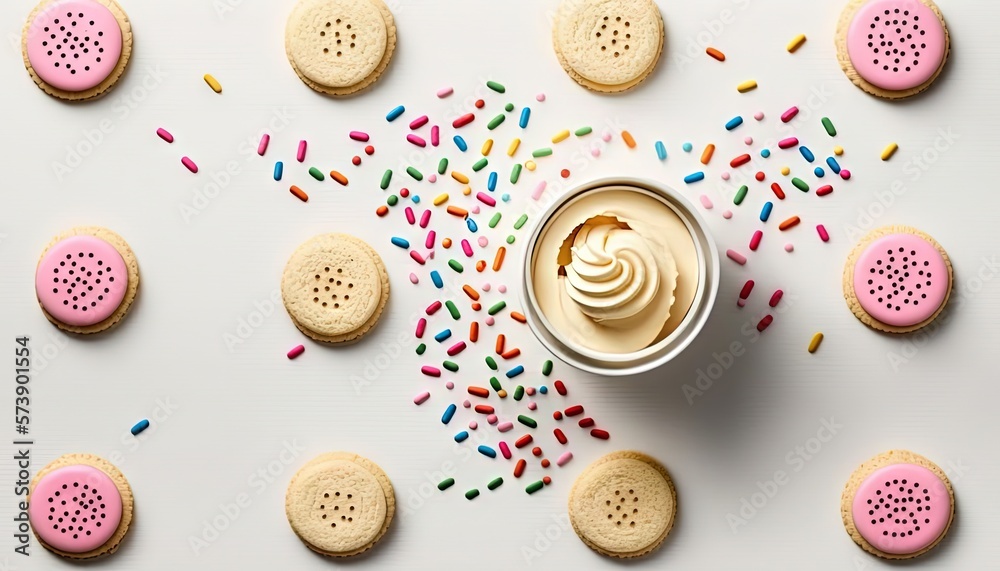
(81, 281)
(75, 509)
(74, 45)
(901, 509)
(901, 280)
(896, 44)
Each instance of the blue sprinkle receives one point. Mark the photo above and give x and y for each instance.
(449, 413)
(525, 115)
(765, 153)
(442, 335)
(487, 451)
(395, 113)
(543, 389)
(694, 177)
(687, 147)
(515, 371)
(807, 154)
(436, 278)
(505, 198)
(401, 242)
(461, 436)
(661, 151)
(415, 198)
(279, 168)
(473, 227)
(819, 172)
(460, 143)
(833, 164)
(765, 212)
(491, 183)
(734, 123)
(141, 425)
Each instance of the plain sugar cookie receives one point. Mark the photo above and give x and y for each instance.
(892, 48)
(340, 504)
(86, 280)
(898, 505)
(76, 49)
(339, 47)
(335, 287)
(80, 507)
(608, 45)
(623, 505)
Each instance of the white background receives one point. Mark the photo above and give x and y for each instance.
(233, 409)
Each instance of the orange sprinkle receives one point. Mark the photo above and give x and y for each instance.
(339, 178)
(474, 331)
(502, 394)
(511, 353)
(480, 265)
(479, 392)
(298, 192)
(471, 292)
(706, 155)
(476, 306)
(456, 211)
(793, 221)
(716, 54)
(498, 260)
(382, 210)
(518, 317)
(446, 243)
(501, 341)
(629, 140)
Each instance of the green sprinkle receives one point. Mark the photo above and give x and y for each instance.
(442, 166)
(800, 184)
(446, 483)
(471, 494)
(741, 194)
(455, 265)
(547, 368)
(492, 363)
(495, 484)
(496, 121)
(520, 222)
(495, 220)
(510, 239)
(316, 173)
(421, 348)
(547, 151)
(417, 175)
(534, 487)
(828, 125)
(497, 307)
(498, 87)
(386, 178)
(453, 310)
(508, 107)
(515, 173)
(582, 131)
(526, 420)
(495, 383)
(451, 366)
(519, 394)
(392, 200)
(480, 164)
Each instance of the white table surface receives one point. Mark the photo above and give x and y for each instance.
(228, 412)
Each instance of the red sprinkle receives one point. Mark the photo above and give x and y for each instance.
(598, 433)
(759, 176)
(369, 150)
(747, 288)
(404, 192)
(777, 191)
(546, 480)
(560, 436)
(480, 392)
(463, 120)
(536, 451)
(557, 415)
(546, 463)
(382, 210)
(430, 371)
(586, 422)
(356, 160)
(775, 298)
(519, 468)
(564, 173)
(523, 441)
(824, 190)
(560, 388)
(739, 161)
(574, 410)
(433, 308)
(480, 104)
(484, 409)
(755, 240)
(764, 323)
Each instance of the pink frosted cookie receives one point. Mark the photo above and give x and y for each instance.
(898, 505)
(80, 506)
(892, 48)
(86, 280)
(76, 49)
(897, 279)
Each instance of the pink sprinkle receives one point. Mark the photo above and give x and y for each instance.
(474, 209)
(166, 136)
(486, 199)
(445, 92)
(425, 218)
(301, 154)
(473, 425)
(433, 308)
(606, 137)
(502, 288)
(736, 257)
(421, 398)
(417, 257)
(759, 115)
(725, 176)
(430, 371)
(421, 327)
(492, 419)
(485, 287)
(505, 450)
(435, 136)
(789, 115)
(532, 405)
(530, 391)
(788, 143)
(706, 201)
(359, 136)
(467, 404)
(490, 321)
(824, 190)
(432, 178)
(264, 142)
(564, 458)
(727, 214)
(755, 240)
(775, 298)
(483, 242)
(505, 426)
(410, 217)
(845, 174)
(748, 140)
(449, 385)
(595, 152)
(418, 122)
(429, 241)
(823, 234)
(414, 279)
(416, 140)
(467, 247)
(189, 164)
(539, 189)
(540, 97)
(430, 255)
(296, 351)
(789, 247)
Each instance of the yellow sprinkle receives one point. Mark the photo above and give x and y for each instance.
(213, 83)
(460, 177)
(513, 147)
(746, 86)
(487, 147)
(530, 165)
(838, 150)
(796, 43)
(467, 190)
(502, 393)
(785, 171)
(561, 136)
(814, 344)
(889, 151)
(440, 199)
